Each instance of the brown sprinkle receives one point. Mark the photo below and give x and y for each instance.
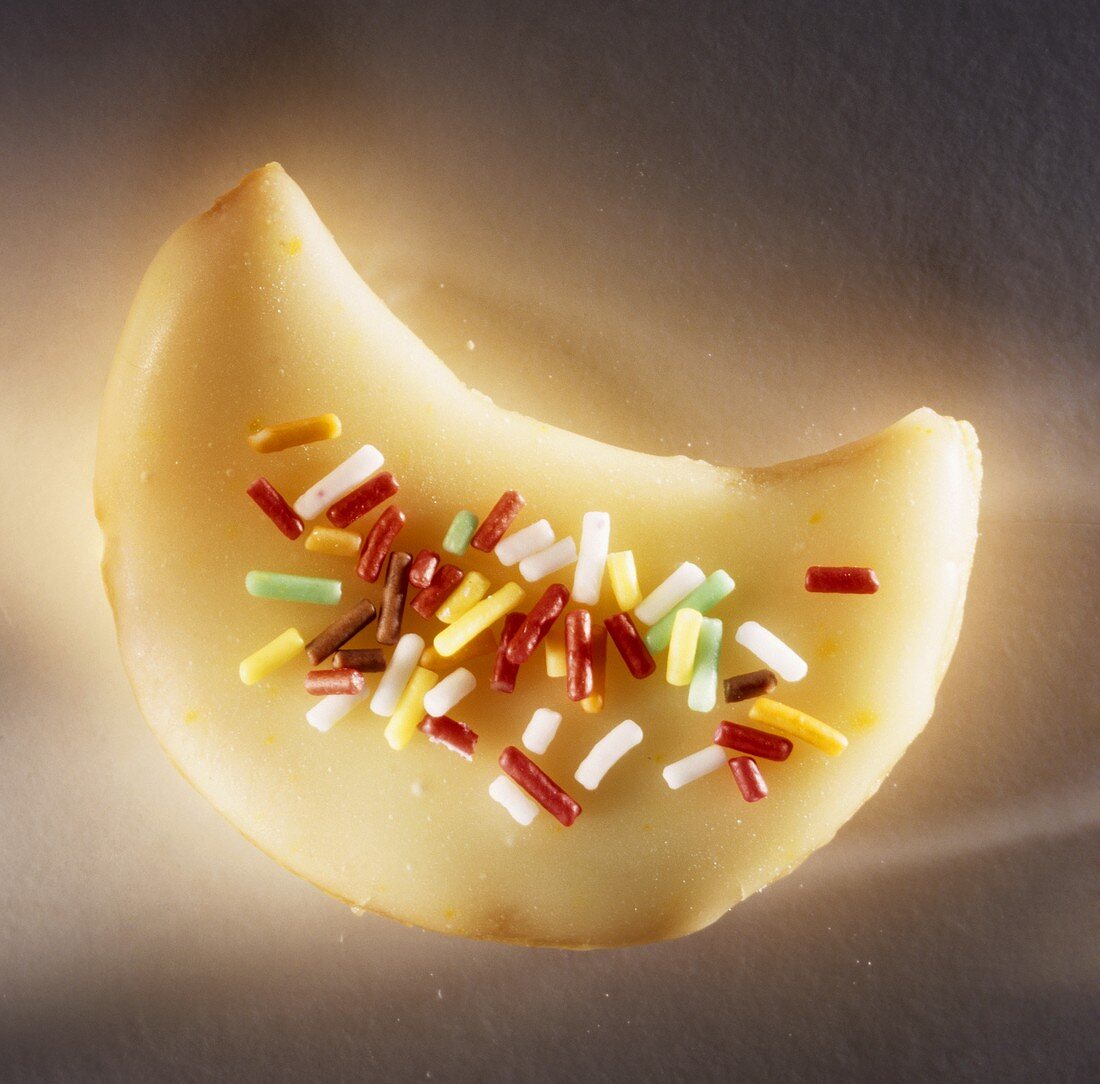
(340, 631)
(393, 597)
(749, 686)
(369, 660)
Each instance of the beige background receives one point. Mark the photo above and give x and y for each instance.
(745, 232)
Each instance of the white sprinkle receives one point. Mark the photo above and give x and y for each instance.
(771, 651)
(512, 549)
(695, 766)
(667, 594)
(541, 564)
(456, 685)
(512, 797)
(355, 470)
(416, 789)
(606, 752)
(470, 344)
(406, 654)
(595, 537)
(541, 729)
(329, 710)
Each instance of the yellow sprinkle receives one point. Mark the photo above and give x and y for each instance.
(593, 704)
(473, 588)
(293, 246)
(191, 716)
(555, 650)
(624, 579)
(334, 542)
(485, 643)
(817, 517)
(410, 708)
(274, 438)
(271, 656)
(478, 619)
(797, 724)
(682, 645)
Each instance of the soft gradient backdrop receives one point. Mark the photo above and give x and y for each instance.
(743, 230)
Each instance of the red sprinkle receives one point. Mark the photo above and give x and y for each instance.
(624, 635)
(539, 621)
(757, 743)
(433, 596)
(599, 664)
(504, 669)
(539, 785)
(841, 580)
(749, 779)
(497, 521)
(377, 544)
(450, 733)
(423, 569)
(273, 505)
(360, 501)
(578, 654)
(327, 682)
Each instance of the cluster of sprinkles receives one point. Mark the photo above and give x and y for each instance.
(413, 696)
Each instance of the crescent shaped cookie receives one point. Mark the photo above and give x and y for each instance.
(250, 317)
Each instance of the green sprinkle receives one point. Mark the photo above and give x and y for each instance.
(461, 530)
(703, 694)
(288, 588)
(704, 598)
